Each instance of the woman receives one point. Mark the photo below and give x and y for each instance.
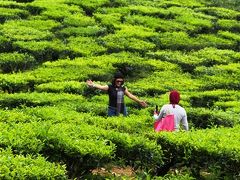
(116, 92)
(180, 115)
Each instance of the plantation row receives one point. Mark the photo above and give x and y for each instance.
(16, 107)
(80, 146)
(215, 149)
(28, 167)
(129, 38)
(63, 135)
(100, 68)
(47, 37)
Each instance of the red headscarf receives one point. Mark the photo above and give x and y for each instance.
(174, 97)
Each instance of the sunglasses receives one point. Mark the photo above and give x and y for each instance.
(119, 81)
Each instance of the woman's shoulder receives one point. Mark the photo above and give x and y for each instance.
(171, 106)
(181, 108)
(166, 106)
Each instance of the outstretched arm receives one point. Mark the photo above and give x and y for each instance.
(98, 86)
(131, 96)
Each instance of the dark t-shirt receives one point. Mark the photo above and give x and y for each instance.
(112, 93)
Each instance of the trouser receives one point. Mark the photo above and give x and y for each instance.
(112, 111)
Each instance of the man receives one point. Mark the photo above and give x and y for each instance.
(116, 91)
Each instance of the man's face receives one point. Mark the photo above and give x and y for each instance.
(119, 82)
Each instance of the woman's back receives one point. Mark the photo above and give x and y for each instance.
(180, 115)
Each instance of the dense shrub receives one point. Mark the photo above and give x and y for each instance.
(13, 62)
(7, 14)
(84, 46)
(47, 110)
(217, 145)
(20, 167)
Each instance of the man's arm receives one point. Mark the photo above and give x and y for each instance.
(98, 86)
(134, 98)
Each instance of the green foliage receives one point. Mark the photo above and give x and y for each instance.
(177, 41)
(16, 82)
(218, 145)
(149, 10)
(231, 36)
(185, 3)
(207, 118)
(65, 87)
(219, 75)
(186, 62)
(129, 38)
(89, 6)
(161, 82)
(205, 57)
(43, 50)
(226, 24)
(109, 20)
(39, 24)
(220, 12)
(28, 30)
(116, 44)
(35, 99)
(198, 23)
(232, 4)
(84, 46)
(135, 31)
(7, 14)
(20, 167)
(158, 24)
(55, 9)
(54, 140)
(78, 20)
(82, 31)
(4, 43)
(12, 62)
(210, 40)
(12, 116)
(49, 48)
(212, 56)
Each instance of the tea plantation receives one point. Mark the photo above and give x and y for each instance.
(53, 126)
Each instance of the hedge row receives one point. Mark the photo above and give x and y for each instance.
(13, 62)
(202, 118)
(14, 166)
(182, 41)
(215, 151)
(55, 10)
(161, 82)
(82, 31)
(159, 25)
(220, 112)
(99, 68)
(58, 144)
(27, 30)
(204, 57)
(82, 146)
(217, 77)
(220, 12)
(36, 99)
(7, 14)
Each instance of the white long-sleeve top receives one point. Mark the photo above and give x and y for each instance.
(180, 115)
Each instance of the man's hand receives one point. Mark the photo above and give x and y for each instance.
(90, 83)
(143, 103)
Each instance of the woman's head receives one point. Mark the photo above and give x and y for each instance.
(118, 79)
(174, 97)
